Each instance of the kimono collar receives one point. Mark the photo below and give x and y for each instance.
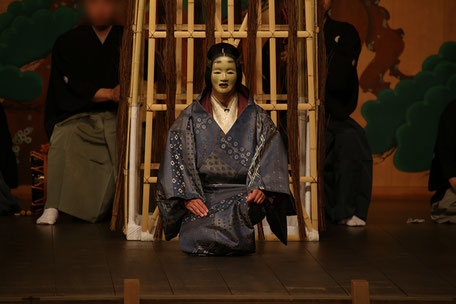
(102, 41)
(243, 101)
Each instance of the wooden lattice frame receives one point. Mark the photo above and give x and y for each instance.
(231, 33)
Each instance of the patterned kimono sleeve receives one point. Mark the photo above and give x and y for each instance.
(269, 173)
(178, 178)
(269, 168)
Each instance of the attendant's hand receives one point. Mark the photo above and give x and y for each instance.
(453, 183)
(103, 95)
(116, 93)
(256, 196)
(197, 207)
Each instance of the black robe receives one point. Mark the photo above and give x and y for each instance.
(81, 65)
(8, 169)
(8, 165)
(444, 162)
(348, 165)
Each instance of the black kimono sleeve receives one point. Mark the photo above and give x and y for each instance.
(69, 76)
(8, 165)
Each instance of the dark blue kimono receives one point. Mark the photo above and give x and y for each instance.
(202, 162)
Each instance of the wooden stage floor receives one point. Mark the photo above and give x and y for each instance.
(75, 262)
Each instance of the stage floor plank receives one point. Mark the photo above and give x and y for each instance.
(73, 260)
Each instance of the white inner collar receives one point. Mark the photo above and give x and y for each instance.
(225, 116)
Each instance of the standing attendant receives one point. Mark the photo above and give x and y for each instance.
(348, 166)
(81, 116)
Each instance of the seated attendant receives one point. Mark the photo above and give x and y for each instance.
(225, 167)
(81, 116)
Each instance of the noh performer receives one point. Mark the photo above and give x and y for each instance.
(225, 167)
(81, 116)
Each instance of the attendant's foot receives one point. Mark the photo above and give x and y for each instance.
(353, 221)
(49, 217)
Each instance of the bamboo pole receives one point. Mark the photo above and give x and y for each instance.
(221, 33)
(201, 27)
(179, 19)
(160, 96)
(218, 16)
(134, 131)
(259, 61)
(127, 158)
(293, 114)
(241, 29)
(231, 20)
(310, 26)
(149, 116)
(303, 121)
(153, 219)
(273, 59)
(321, 78)
(267, 107)
(190, 50)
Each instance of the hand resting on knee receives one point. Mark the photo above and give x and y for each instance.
(256, 196)
(197, 207)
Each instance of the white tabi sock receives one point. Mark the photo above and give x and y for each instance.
(49, 217)
(353, 221)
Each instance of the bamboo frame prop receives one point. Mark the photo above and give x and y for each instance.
(180, 33)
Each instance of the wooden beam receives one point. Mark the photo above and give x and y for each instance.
(360, 292)
(131, 291)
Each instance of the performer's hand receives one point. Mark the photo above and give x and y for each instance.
(453, 183)
(197, 207)
(116, 93)
(256, 196)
